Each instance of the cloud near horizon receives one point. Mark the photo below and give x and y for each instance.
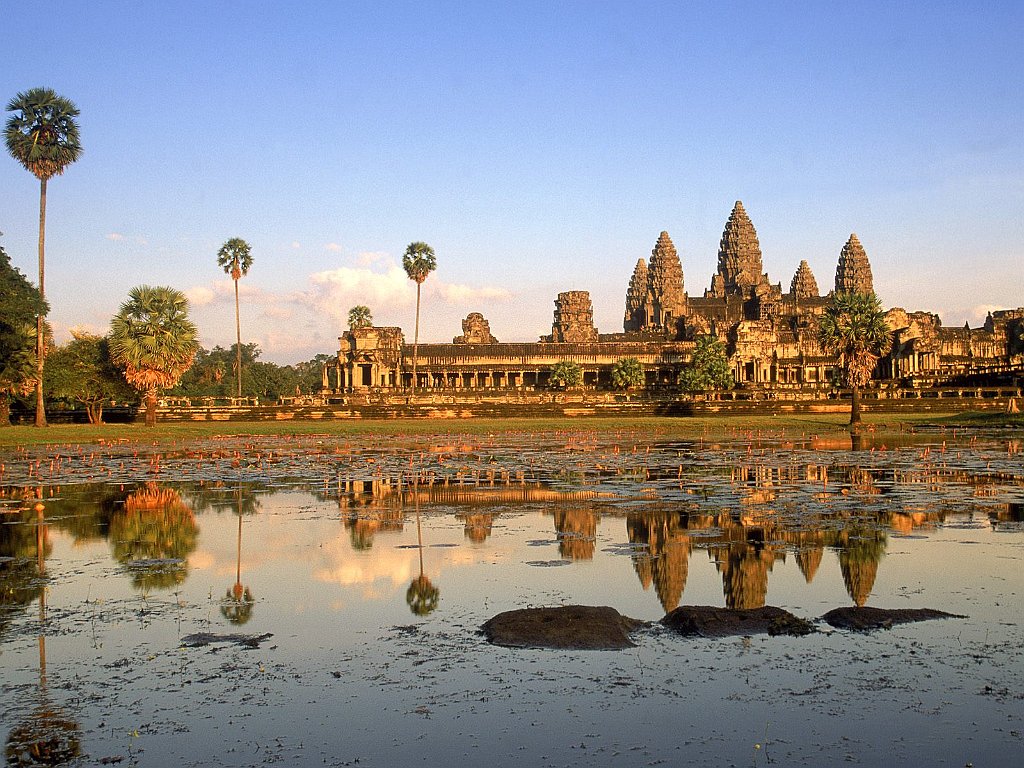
(334, 291)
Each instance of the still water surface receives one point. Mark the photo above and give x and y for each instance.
(313, 602)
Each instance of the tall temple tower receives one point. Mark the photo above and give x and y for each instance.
(853, 274)
(656, 298)
(739, 257)
(665, 281)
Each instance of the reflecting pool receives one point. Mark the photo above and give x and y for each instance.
(315, 601)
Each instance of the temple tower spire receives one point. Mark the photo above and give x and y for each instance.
(637, 299)
(665, 284)
(853, 273)
(739, 254)
(804, 285)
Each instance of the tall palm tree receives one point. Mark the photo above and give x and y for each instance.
(235, 256)
(152, 338)
(853, 328)
(42, 135)
(418, 262)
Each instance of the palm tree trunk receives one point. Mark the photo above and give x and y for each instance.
(150, 407)
(855, 406)
(416, 337)
(238, 343)
(40, 405)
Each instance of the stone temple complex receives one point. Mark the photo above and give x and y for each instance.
(770, 335)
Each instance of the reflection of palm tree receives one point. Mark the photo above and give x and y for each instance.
(422, 596)
(21, 577)
(237, 604)
(154, 535)
(46, 737)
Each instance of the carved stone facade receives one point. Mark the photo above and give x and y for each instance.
(771, 337)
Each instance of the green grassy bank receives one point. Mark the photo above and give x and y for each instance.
(715, 425)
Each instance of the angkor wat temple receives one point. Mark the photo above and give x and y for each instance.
(771, 335)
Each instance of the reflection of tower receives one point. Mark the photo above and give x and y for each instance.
(577, 532)
(744, 565)
(810, 548)
(367, 511)
(667, 559)
(238, 603)
(422, 596)
(46, 737)
(859, 554)
(478, 525)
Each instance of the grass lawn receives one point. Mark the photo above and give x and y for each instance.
(718, 425)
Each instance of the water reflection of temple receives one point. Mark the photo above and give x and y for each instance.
(377, 505)
(745, 552)
(577, 531)
(665, 559)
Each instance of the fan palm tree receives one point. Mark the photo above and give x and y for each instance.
(235, 256)
(359, 317)
(418, 263)
(853, 328)
(152, 338)
(42, 135)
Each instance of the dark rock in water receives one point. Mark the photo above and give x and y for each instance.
(707, 621)
(202, 639)
(864, 619)
(576, 627)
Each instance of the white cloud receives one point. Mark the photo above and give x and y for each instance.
(336, 290)
(199, 296)
(115, 236)
(333, 248)
(296, 245)
(465, 294)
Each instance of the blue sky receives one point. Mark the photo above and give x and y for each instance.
(539, 147)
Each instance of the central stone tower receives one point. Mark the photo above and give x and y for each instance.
(739, 257)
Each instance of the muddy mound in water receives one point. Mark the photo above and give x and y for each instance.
(708, 621)
(864, 619)
(577, 627)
